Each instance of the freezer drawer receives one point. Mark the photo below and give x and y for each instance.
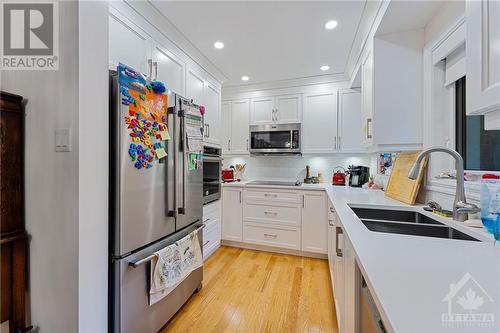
(130, 310)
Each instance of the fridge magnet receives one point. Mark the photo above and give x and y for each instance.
(202, 110)
(165, 135)
(158, 87)
(192, 157)
(130, 78)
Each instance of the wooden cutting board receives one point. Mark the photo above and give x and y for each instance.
(400, 187)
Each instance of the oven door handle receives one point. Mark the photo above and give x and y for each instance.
(212, 159)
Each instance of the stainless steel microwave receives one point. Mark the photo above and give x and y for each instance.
(275, 139)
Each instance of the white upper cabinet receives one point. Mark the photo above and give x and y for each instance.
(168, 68)
(128, 44)
(195, 86)
(350, 134)
(483, 56)
(288, 109)
(314, 222)
(319, 125)
(262, 111)
(226, 127)
(212, 115)
(276, 109)
(367, 98)
(239, 126)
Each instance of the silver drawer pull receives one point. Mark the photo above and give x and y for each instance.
(270, 195)
(270, 235)
(330, 222)
(332, 210)
(206, 220)
(206, 242)
(271, 213)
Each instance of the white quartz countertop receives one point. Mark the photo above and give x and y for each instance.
(409, 276)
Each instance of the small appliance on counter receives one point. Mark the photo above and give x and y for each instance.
(358, 175)
(339, 176)
(228, 174)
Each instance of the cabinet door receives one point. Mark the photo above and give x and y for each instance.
(195, 86)
(262, 111)
(367, 98)
(350, 126)
(232, 217)
(212, 115)
(226, 127)
(319, 125)
(338, 278)
(314, 222)
(289, 108)
(128, 44)
(168, 69)
(239, 126)
(483, 54)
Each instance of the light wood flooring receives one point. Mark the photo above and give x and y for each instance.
(254, 291)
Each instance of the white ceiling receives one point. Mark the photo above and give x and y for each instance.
(408, 15)
(268, 41)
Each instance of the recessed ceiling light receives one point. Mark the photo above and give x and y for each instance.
(219, 45)
(324, 68)
(331, 25)
(245, 78)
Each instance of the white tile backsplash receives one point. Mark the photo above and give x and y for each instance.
(293, 167)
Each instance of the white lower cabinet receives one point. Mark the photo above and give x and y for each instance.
(232, 214)
(276, 235)
(212, 230)
(281, 218)
(344, 273)
(314, 225)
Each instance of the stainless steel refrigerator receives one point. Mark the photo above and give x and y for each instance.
(149, 210)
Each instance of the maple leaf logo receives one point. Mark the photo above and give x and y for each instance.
(470, 301)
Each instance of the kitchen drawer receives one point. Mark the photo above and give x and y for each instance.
(211, 237)
(212, 212)
(288, 214)
(272, 195)
(271, 235)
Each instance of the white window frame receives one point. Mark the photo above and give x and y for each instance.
(435, 131)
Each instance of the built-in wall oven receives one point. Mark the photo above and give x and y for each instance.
(212, 164)
(275, 139)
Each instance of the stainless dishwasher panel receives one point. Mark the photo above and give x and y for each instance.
(369, 319)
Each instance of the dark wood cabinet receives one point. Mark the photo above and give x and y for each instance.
(13, 237)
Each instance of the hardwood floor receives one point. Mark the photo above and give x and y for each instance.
(254, 291)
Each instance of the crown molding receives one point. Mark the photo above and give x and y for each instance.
(288, 83)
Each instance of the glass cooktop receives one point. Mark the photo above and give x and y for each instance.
(275, 183)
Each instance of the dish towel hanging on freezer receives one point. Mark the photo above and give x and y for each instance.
(173, 264)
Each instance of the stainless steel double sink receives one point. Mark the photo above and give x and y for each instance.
(407, 223)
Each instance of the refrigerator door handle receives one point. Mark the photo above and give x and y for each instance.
(175, 212)
(182, 210)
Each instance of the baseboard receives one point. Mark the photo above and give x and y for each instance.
(274, 249)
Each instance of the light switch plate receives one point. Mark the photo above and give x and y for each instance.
(63, 139)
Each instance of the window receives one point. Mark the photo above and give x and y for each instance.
(480, 149)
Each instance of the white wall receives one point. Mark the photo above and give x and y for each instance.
(52, 181)
(93, 167)
(293, 167)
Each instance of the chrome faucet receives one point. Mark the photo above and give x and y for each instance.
(461, 208)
